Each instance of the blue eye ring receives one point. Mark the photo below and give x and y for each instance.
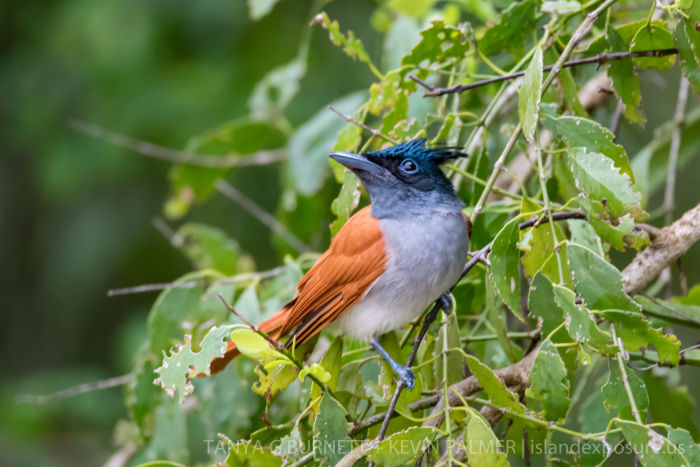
(409, 166)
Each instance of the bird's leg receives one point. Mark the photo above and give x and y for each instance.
(446, 302)
(405, 373)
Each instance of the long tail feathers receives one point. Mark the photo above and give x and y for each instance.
(270, 327)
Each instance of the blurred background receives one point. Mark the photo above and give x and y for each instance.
(77, 212)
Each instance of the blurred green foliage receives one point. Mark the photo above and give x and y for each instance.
(223, 77)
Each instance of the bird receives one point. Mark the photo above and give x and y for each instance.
(389, 261)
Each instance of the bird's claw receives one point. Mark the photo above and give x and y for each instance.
(446, 302)
(407, 376)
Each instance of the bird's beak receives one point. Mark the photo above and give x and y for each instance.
(357, 162)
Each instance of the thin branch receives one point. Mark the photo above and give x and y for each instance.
(75, 390)
(261, 215)
(173, 155)
(678, 117)
(600, 59)
(670, 244)
(376, 133)
(143, 288)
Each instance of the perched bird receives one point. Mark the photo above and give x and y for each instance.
(389, 261)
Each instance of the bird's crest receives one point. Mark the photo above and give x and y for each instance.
(416, 149)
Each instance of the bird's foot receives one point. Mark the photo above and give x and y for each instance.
(446, 302)
(406, 374)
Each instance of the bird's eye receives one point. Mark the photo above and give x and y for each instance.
(409, 167)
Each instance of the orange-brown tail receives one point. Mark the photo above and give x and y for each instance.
(271, 327)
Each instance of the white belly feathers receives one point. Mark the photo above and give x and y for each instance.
(426, 255)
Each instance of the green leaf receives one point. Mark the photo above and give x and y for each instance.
(275, 91)
(671, 405)
(509, 34)
(315, 370)
(636, 332)
(253, 344)
(415, 8)
(688, 43)
(686, 446)
(504, 259)
(439, 42)
(653, 37)
(579, 322)
(308, 148)
(244, 454)
(240, 137)
(276, 376)
(161, 464)
(169, 439)
(652, 449)
(402, 447)
(331, 441)
(259, 8)
(482, 445)
(496, 390)
(582, 132)
(616, 397)
(497, 319)
(538, 244)
(183, 364)
(549, 383)
(624, 78)
(598, 282)
(687, 315)
(352, 46)
(600, 180)
(209, 248)
(347, 200)
(530, 95)
(448, 338)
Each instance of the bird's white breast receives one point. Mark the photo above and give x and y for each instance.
(425, 257)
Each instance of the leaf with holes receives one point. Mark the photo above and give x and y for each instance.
(331, 440)
(549, 383)
(616, 396)
(403, 446)
(652, 448)
(637, 333)
(183, 364)
(579, 322)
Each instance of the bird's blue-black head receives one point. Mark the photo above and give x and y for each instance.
(407, 173)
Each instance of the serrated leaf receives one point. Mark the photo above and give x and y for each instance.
(509, 34)
(331, 440)
(624, 78)
(411, 441)
(616, 397)
(579, 322)
(583, 132)
(623, 233)
(482, 445)
(600, 180)
(636, 332)
(504, 259)
(352, 46)
(530, 94)
(439, 42)
(687, 40)
(494, 388)
(598, 282)
(308, 148)
(183, 364)
(652, 449)
(653, 37)
(549, 383)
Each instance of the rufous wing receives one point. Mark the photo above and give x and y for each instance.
(340, 277)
